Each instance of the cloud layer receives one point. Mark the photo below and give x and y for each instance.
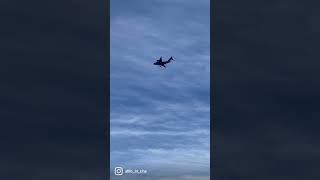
(160, 117)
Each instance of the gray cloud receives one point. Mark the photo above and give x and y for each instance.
(155, 111)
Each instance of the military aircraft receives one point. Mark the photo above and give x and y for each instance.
(162, 63)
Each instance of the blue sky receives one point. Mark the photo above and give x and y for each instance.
(160, 117)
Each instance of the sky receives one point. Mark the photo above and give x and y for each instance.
(54, 79)
(160, 118)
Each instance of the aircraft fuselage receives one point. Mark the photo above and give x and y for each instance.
(162, 63)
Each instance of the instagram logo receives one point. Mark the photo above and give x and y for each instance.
(118, 171)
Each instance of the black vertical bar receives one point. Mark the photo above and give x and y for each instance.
(107, 90)
(212, 91)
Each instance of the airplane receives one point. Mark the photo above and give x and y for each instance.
(162, 63)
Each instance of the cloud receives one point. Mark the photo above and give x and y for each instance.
(135, 132)
(186, 177)
(165, 161)
(182, 177)
(158, 113)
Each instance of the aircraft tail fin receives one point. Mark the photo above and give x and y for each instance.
(171, 58)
